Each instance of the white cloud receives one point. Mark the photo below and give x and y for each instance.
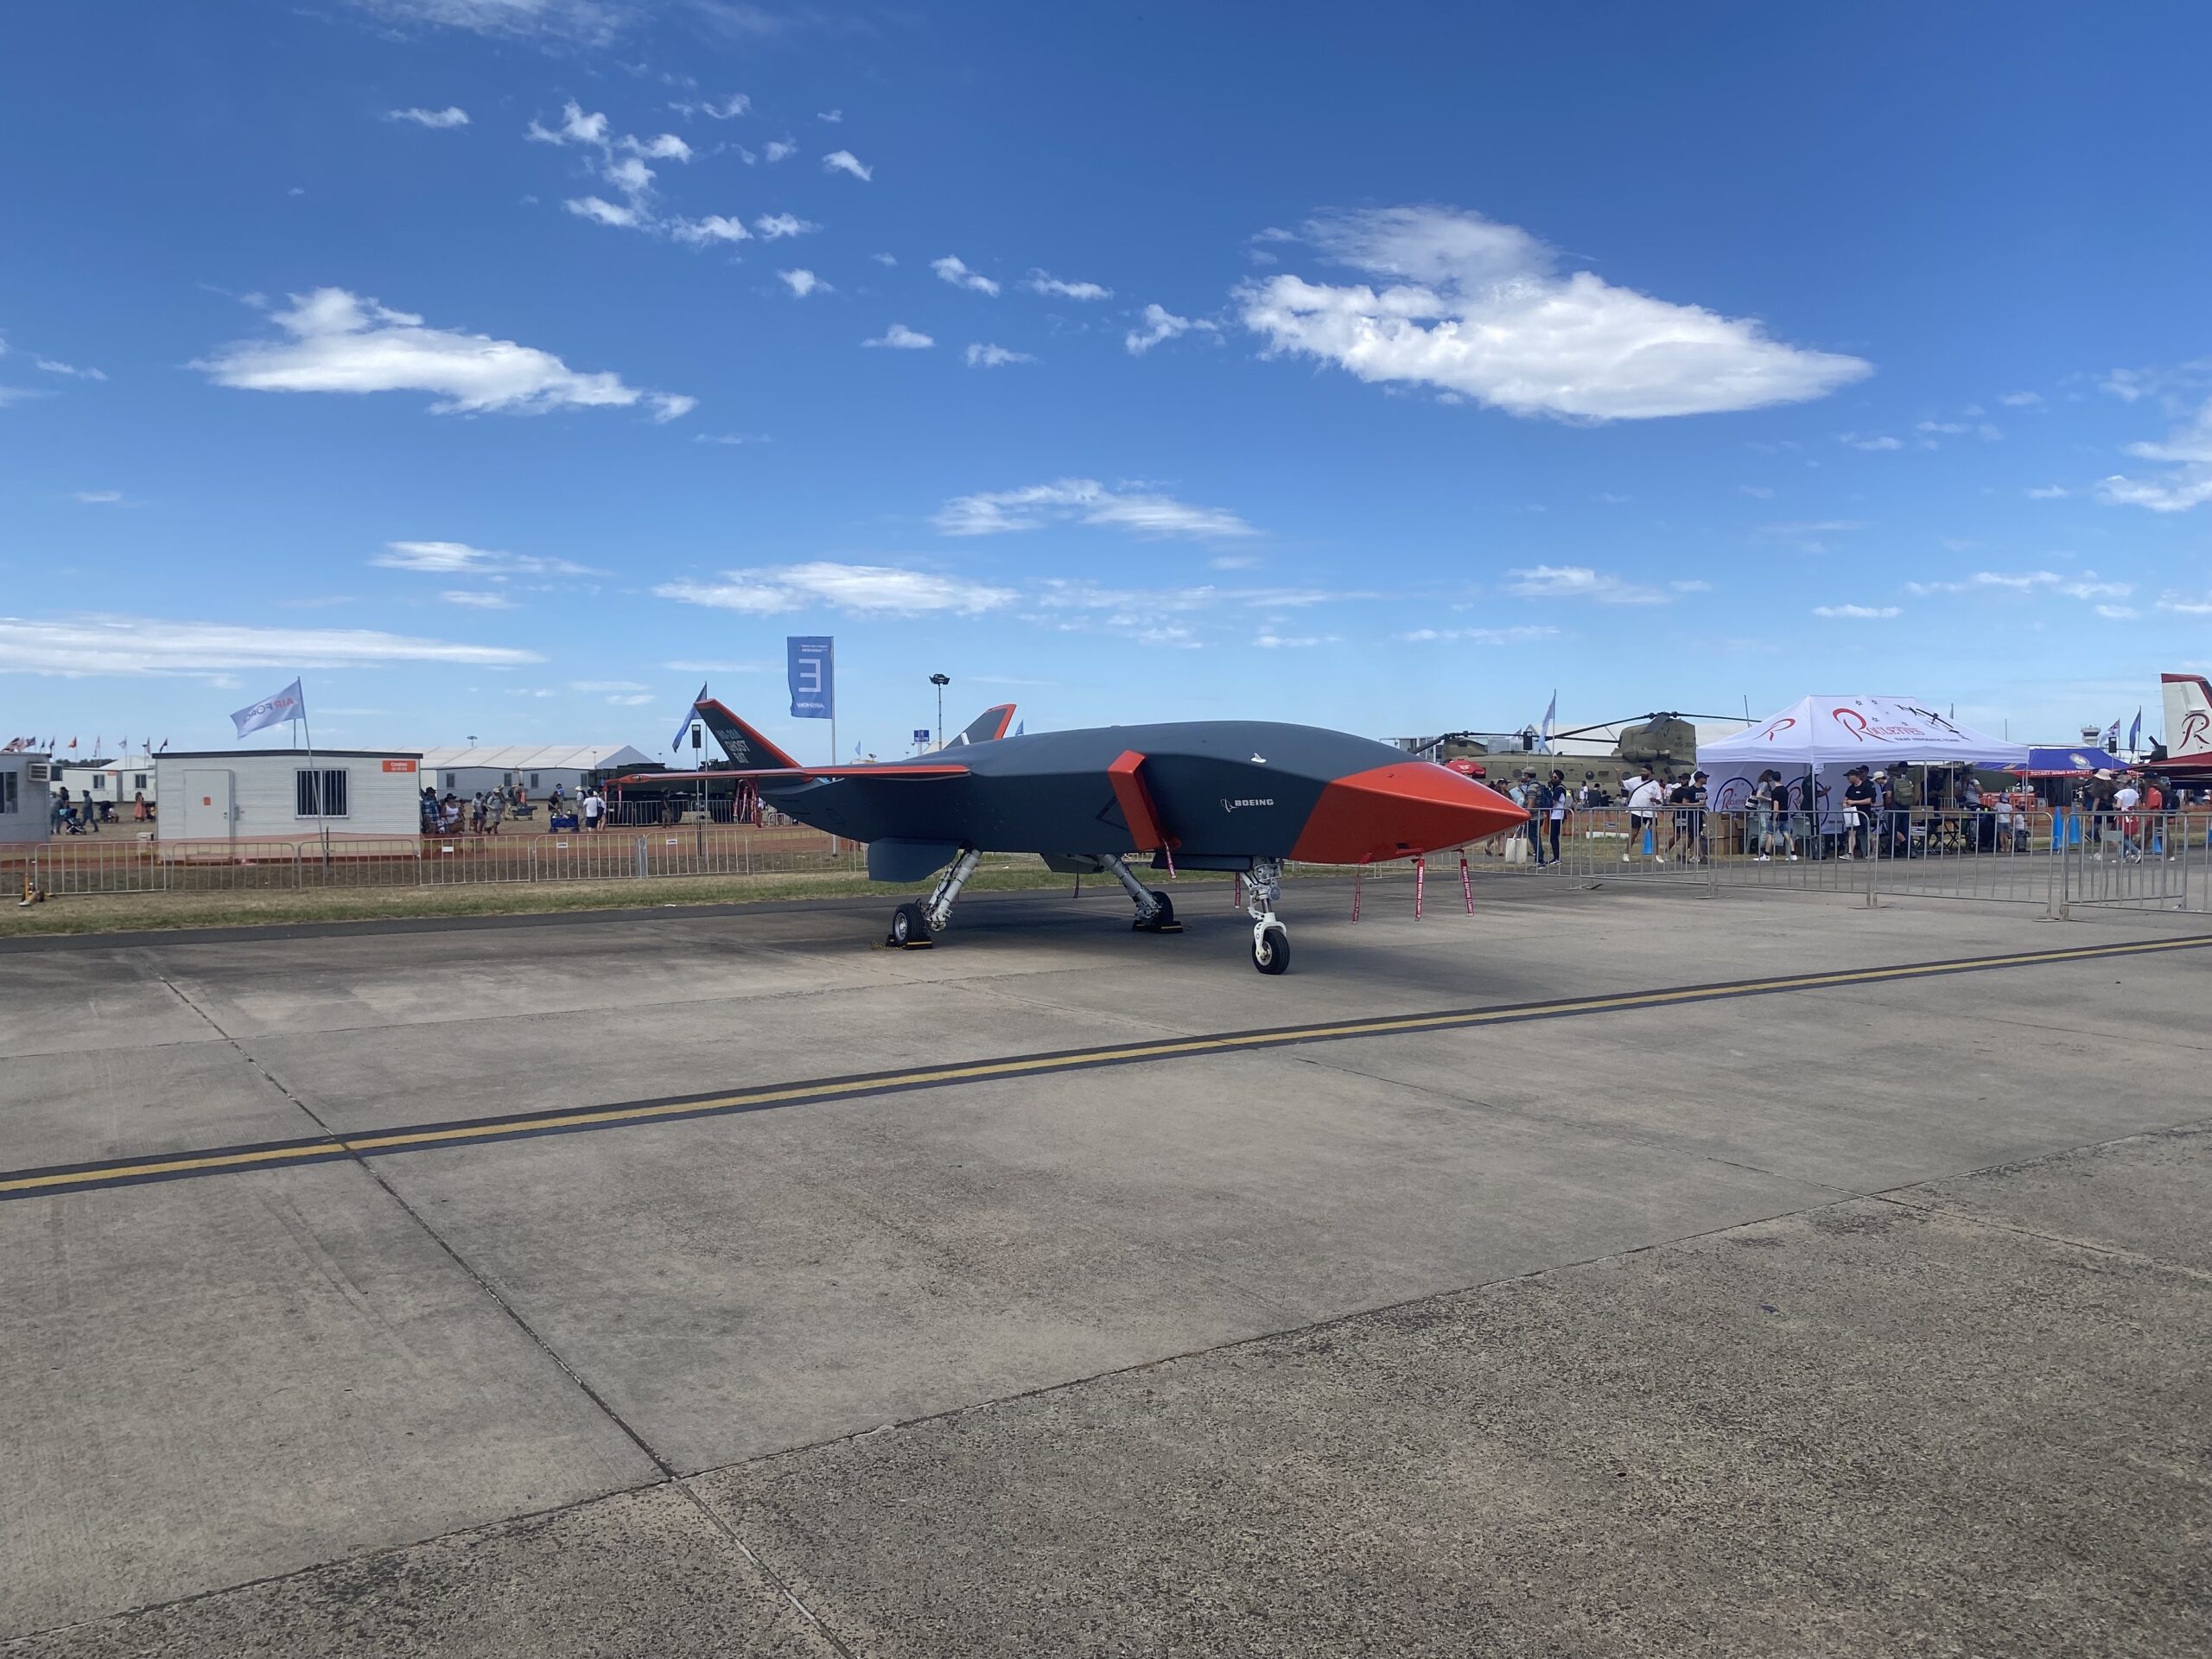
(730, 438)
(725, 109)
(1981, 430)
(458, 558)
(776, 225)
(981, 356)
(801, 282)
(2022, 400)
(2117, 613)
(131, 645)
(865, 590)
(633, 700)
(1234, 561)
(712, 227)
(1857, 612)
(1878, 441)
(1270, 641)
(340, 342)
(589, 22)
(1044, 282)
(2085, 586)
(885, 259)
(1695, 585)
(1579, 581)
(843, 161)
(452, 116)
(1514, 636)
(603, 211)
(20, 394)
(2189, 484)
(900, 338)
(575, 128)
(780, 150)
(950, 269)
(663, 147)
(1084, 500)
(477, 599)
(1757, 492)
(98, 497)
(1160, 324)
(49, 366)
(831, 116)
(2049, 492)
(1480, 308)
(2183, 605)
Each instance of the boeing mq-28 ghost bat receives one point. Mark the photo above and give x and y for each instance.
(1243, 796)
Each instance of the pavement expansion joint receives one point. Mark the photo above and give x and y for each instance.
(331, 1145)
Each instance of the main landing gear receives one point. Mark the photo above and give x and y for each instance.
(1270, 940)
(915, 926)
(1156, 910)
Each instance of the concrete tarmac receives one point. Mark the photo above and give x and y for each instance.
(1868, 1316)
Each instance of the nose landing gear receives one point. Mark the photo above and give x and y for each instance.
(1270, 940)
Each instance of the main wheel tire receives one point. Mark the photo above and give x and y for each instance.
(1271, 950)
(908, 925)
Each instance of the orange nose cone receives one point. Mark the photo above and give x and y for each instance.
(1395, 811)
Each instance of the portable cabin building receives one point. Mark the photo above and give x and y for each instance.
(212, 796)
(26, 798)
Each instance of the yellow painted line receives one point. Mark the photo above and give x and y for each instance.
(980, 1071)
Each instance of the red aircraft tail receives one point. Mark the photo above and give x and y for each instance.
(745, 746)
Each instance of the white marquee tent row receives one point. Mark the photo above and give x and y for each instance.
(1828, 735)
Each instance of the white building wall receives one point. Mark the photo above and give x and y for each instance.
(26, 800)
(383, 794)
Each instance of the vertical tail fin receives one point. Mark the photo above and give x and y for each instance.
(2188, 716)
(745, 746)
(987, 728)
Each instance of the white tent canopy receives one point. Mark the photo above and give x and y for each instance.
(1828, 734)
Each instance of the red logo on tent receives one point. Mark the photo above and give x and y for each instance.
(1780, 726)
(1853, 721)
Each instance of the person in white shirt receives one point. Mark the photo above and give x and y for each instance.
(594, 809)
(1644, 805)
(2125, 800)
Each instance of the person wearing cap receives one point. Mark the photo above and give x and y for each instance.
(1694, 796)
(1857, 812)
(1533, 795)
(1555, 798)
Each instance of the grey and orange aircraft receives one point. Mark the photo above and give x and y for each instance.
(1243, 796)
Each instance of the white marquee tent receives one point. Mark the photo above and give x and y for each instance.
(1830, 734)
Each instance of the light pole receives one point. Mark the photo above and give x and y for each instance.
(940, 681)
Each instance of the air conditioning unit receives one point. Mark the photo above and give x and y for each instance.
(40, 771)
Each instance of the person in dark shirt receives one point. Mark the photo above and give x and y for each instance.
(1858, 799)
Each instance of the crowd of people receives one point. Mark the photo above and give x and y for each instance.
(85, 813)
(1907, 812)
(483, 812)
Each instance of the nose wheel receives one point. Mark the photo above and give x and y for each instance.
(1270, 940)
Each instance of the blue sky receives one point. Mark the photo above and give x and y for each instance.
(507, 367)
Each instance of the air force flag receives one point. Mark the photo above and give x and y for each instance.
(813, 673)
(288, 704)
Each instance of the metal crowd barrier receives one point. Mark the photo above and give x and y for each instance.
(2000, 853)
(120, 865)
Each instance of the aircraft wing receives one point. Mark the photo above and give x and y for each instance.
(797, 774)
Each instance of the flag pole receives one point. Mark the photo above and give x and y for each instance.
(321, 824)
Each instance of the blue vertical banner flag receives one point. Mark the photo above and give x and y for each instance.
(812, 666)
(2135, 735)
